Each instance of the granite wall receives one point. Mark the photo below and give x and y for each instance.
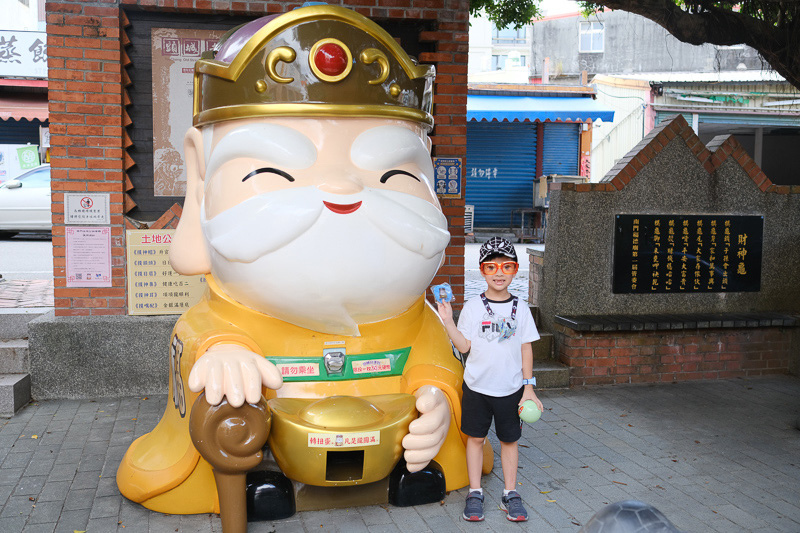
(670, 172)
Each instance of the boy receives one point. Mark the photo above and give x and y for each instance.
(496, 329)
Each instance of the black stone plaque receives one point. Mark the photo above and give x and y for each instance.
(687, 253)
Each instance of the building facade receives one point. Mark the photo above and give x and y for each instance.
(23, 87)
(647, 75)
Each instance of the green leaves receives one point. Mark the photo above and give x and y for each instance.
(507, 13)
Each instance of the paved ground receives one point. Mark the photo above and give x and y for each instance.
(712, 456)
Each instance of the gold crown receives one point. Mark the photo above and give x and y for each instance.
(315, 61)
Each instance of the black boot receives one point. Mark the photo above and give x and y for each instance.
(417, 488)
(270, 496)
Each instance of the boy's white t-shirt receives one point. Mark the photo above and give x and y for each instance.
(494, 367)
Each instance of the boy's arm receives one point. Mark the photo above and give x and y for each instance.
(527, 373)
(461, 343)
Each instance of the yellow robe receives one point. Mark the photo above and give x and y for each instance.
(163, 471)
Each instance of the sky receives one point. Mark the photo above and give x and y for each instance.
(558, 7)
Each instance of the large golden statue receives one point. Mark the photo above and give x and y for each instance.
(310, 209)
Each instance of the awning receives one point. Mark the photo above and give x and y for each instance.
(24, 107)
(533, 108)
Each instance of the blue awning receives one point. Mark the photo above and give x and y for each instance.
(533, 108)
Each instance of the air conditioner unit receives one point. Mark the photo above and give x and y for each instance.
(469, 218)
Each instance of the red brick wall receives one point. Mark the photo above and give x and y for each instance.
(646, 357)
(86, 110)
(84, 86)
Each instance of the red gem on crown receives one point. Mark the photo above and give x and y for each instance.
(331, 59)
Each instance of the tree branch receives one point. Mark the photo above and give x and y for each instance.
(716, 25)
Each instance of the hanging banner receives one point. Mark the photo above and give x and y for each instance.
(174, 52)
(28, 157)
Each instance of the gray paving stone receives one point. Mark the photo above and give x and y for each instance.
(85, 480)
(162, 523)
(13, 523)
(691, 449)
(46, 512)
(105, 506)
(10, 476)
(54, 491)
(108, 523)
(39, 528)
(17, 459)
(79, 500)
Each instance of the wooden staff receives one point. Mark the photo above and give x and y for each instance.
(231, 440)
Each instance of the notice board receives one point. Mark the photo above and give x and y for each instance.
(154, 288)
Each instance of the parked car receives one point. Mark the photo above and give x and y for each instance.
(25, 202)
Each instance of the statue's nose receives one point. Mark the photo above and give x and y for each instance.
(340, 183)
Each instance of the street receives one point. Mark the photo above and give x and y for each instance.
(27, 256)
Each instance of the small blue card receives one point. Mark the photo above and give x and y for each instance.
(442, 293)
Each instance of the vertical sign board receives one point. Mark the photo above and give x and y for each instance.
(174, 52)
(447, 176)
(88, 256)
(687, 253)
(154, 288)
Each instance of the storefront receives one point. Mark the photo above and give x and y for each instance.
(512, 140)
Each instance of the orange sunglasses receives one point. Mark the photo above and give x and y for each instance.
(507, 267)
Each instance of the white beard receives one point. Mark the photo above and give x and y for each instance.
(286, 255)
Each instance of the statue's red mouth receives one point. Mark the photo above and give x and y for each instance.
(342, 209)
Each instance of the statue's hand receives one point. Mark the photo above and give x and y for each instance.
(426, 434)
(233, 371)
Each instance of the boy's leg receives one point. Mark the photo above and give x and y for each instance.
(476, 417)
(474, 461)
(509, 430)
(473, 509)
(509, 458)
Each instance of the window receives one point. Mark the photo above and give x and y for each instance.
(509, 36)
(37, 178)
(591, 37)
(499, 62)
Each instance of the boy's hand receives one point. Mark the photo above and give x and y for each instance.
(528, 394)
(445, 311)
(233, 371)
(426, 434)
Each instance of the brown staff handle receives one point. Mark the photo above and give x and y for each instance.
(231, 440)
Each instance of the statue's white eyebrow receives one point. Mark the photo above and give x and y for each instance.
(387, 147)
(280, 146)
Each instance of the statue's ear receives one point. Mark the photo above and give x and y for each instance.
(428, 143)
(189, 253)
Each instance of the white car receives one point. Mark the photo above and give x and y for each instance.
(25, 202)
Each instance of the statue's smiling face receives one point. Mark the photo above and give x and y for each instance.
(324, 223)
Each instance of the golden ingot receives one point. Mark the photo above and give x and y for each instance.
(341, 423)
(342, 412)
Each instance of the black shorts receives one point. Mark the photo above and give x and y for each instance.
(478, 409)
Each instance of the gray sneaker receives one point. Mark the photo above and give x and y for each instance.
(473, 510)
(512, 504)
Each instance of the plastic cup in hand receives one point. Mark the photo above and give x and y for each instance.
(529, 412)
